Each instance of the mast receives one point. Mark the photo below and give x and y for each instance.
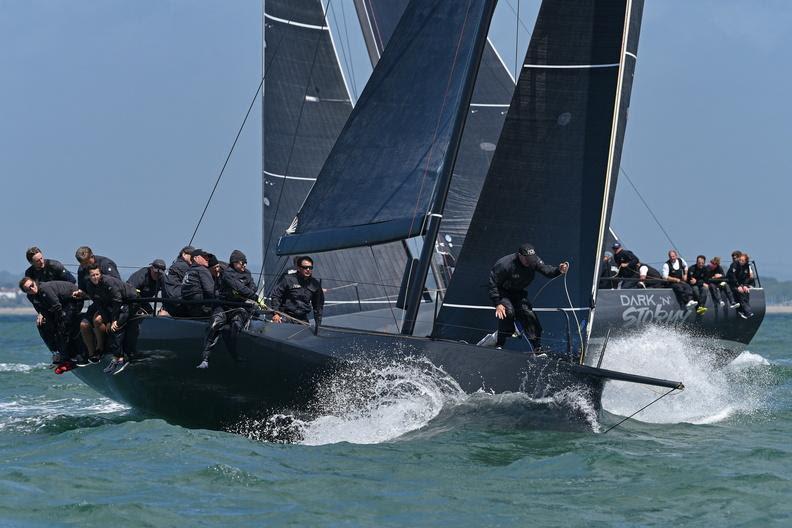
(629, 51)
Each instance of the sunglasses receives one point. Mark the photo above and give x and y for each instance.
(309, 268)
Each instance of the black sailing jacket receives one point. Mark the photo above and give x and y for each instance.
(508, 277)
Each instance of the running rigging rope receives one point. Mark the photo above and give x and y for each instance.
(641, 409)
(629, 180)
(217, 182)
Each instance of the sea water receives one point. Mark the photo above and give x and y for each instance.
(399, 444)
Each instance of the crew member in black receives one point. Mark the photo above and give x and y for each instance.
(92, 327)
(296, 294)
(111, 296)
(741, 279)
(675, 273)
(198, 284)
(508, 279)
(697, 278)
(235, 284)
(148, 282)
(649, 277)
(628, 264)
(58, 316)
(44, 270)
(172, 284)
(718, 284)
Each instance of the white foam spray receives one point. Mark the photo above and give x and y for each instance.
(711, 394)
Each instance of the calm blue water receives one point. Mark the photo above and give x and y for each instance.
(717, 454)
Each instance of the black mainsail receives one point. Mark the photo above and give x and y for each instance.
(390, 163)
(306, 104)
(554, 171)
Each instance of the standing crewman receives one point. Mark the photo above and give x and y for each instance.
(58, 315)
(234, 284)
(45, 270)
(296, 294)
(508, 279)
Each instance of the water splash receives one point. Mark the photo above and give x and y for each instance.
(368, 401)
(378, 401)
(711, 394)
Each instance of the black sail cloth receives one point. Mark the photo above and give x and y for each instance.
(552, 177)
(306, 103)
(380, 178)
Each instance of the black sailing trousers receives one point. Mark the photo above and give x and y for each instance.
(226, 323)
(518, 308)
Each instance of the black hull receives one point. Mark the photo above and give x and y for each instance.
(282, 366)
(625, 312)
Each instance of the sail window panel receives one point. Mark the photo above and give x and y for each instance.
(549, 175)
(379, 180)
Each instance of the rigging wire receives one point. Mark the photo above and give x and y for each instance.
(348, 52)
(379, 274)
(517, 13)
(517, 42)
(231, 151)
(641, 409)
(293, 143)
(572, 307)
(275, 51)
(657, 221)
(426, 217)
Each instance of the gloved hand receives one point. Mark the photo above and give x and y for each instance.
(261, 304)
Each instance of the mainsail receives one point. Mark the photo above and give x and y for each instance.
(552, 178)
(380, 180)
(306, 103)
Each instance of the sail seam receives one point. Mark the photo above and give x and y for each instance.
(571, 66)
(293, 23)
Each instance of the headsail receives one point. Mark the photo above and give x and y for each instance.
(306, 103)
(379, 181)
(555, 167)
(491, 97)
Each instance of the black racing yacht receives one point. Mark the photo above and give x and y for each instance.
(445, 162)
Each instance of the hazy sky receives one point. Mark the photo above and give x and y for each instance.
(116, 116)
